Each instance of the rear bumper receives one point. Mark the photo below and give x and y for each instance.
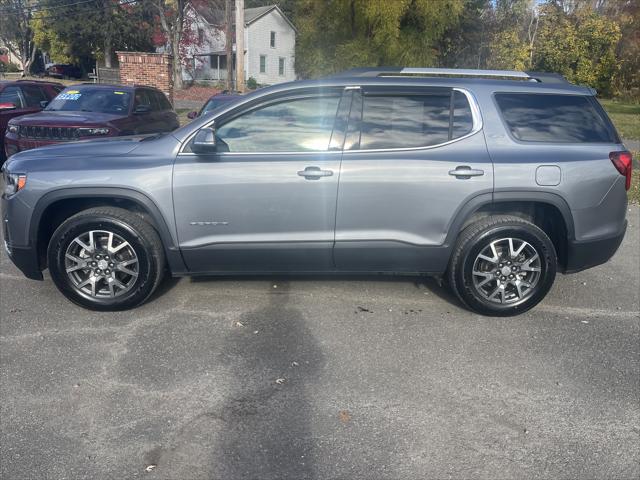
(583, 255)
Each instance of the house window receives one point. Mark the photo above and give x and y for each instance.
(273, 39)
(263, 63)
(281, 66)
(200, 36)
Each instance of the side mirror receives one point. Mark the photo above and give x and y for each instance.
(44, 103)
(192, 115)
(8, 106)
(204, 141)
(140, 109)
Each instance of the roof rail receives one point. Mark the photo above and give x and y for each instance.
(451, 72)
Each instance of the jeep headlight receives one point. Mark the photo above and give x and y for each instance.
(13, 129)
(91, 131)
(14, 182)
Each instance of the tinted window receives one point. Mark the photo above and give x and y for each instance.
(11, 95)
(163, 101)
(289, 126)
(553, 118)
(88, 99)
(213, 104)
(462, 117)
(405, 121)
(33, 95)
(142, 98)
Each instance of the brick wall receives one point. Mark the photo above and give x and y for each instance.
(152, 69)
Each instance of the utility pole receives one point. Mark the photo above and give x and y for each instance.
(240, 45)
(229, 41)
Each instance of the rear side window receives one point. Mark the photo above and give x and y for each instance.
(12, 95)
(406, 121)
(554, 118)
(163, 101)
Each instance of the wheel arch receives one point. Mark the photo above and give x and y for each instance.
(548, 211)
(56, 206)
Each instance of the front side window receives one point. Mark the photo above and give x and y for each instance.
(33, 95)
(296, 125)
(554, 118)
(263, 63)
(89, 99)
(408, 121)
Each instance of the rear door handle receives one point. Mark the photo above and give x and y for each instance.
(314, 173)
(464, 171)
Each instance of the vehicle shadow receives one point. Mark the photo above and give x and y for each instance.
(272, 358)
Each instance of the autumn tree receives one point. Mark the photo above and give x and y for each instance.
(338, 34)
(73, 32)
(15, 30)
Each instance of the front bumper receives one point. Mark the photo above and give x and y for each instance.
(23, 255)
(26, 259)
(583, 255)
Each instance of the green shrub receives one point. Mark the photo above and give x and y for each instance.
(252, 83)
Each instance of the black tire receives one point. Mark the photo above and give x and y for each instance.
(142, 239)
(479, 236)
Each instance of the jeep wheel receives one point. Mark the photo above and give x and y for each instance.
(106, 259)
(502, 266)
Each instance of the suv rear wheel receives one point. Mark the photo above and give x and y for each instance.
(106, 258)
(502, 266)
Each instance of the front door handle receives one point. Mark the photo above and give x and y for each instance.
(314, 173)
(464, 171)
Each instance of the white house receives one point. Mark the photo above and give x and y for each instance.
(270, 40)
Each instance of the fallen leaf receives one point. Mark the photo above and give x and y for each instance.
(344, 416)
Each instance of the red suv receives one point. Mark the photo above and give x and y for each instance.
(20, 98)
(88, 111)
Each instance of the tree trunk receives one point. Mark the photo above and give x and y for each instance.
(108, 35)
(176, 63)
(228, 43)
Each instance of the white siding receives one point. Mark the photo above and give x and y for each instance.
(258, 43)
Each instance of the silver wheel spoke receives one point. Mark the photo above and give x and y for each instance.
(487, 277)
(499, 268)
(91, 265)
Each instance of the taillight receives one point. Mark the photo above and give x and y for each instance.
(623, 161)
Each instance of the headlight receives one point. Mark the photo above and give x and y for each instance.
(13, 129)
(85, 132)
(14, 182)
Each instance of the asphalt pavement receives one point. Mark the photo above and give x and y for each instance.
(301, 378)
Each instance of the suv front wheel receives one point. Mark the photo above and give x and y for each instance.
(106, 258)
(502, 266)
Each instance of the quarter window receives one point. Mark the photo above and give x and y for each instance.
(263, 63)
(554, 118)
(406, 121)
(290, 126)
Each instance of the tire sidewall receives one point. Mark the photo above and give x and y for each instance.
(536, 238)
(68, 231)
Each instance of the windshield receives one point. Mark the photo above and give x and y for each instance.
(214, 103)
(101, 100)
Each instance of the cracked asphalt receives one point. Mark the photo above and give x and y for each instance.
(301, 378)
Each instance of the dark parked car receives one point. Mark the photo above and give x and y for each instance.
(60, 70)
(214, 102)
(93, 111)
(495, 183)
(21, 98)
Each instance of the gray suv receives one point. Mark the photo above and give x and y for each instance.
(495, 180)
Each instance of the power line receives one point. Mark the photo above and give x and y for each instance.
(39, 7)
